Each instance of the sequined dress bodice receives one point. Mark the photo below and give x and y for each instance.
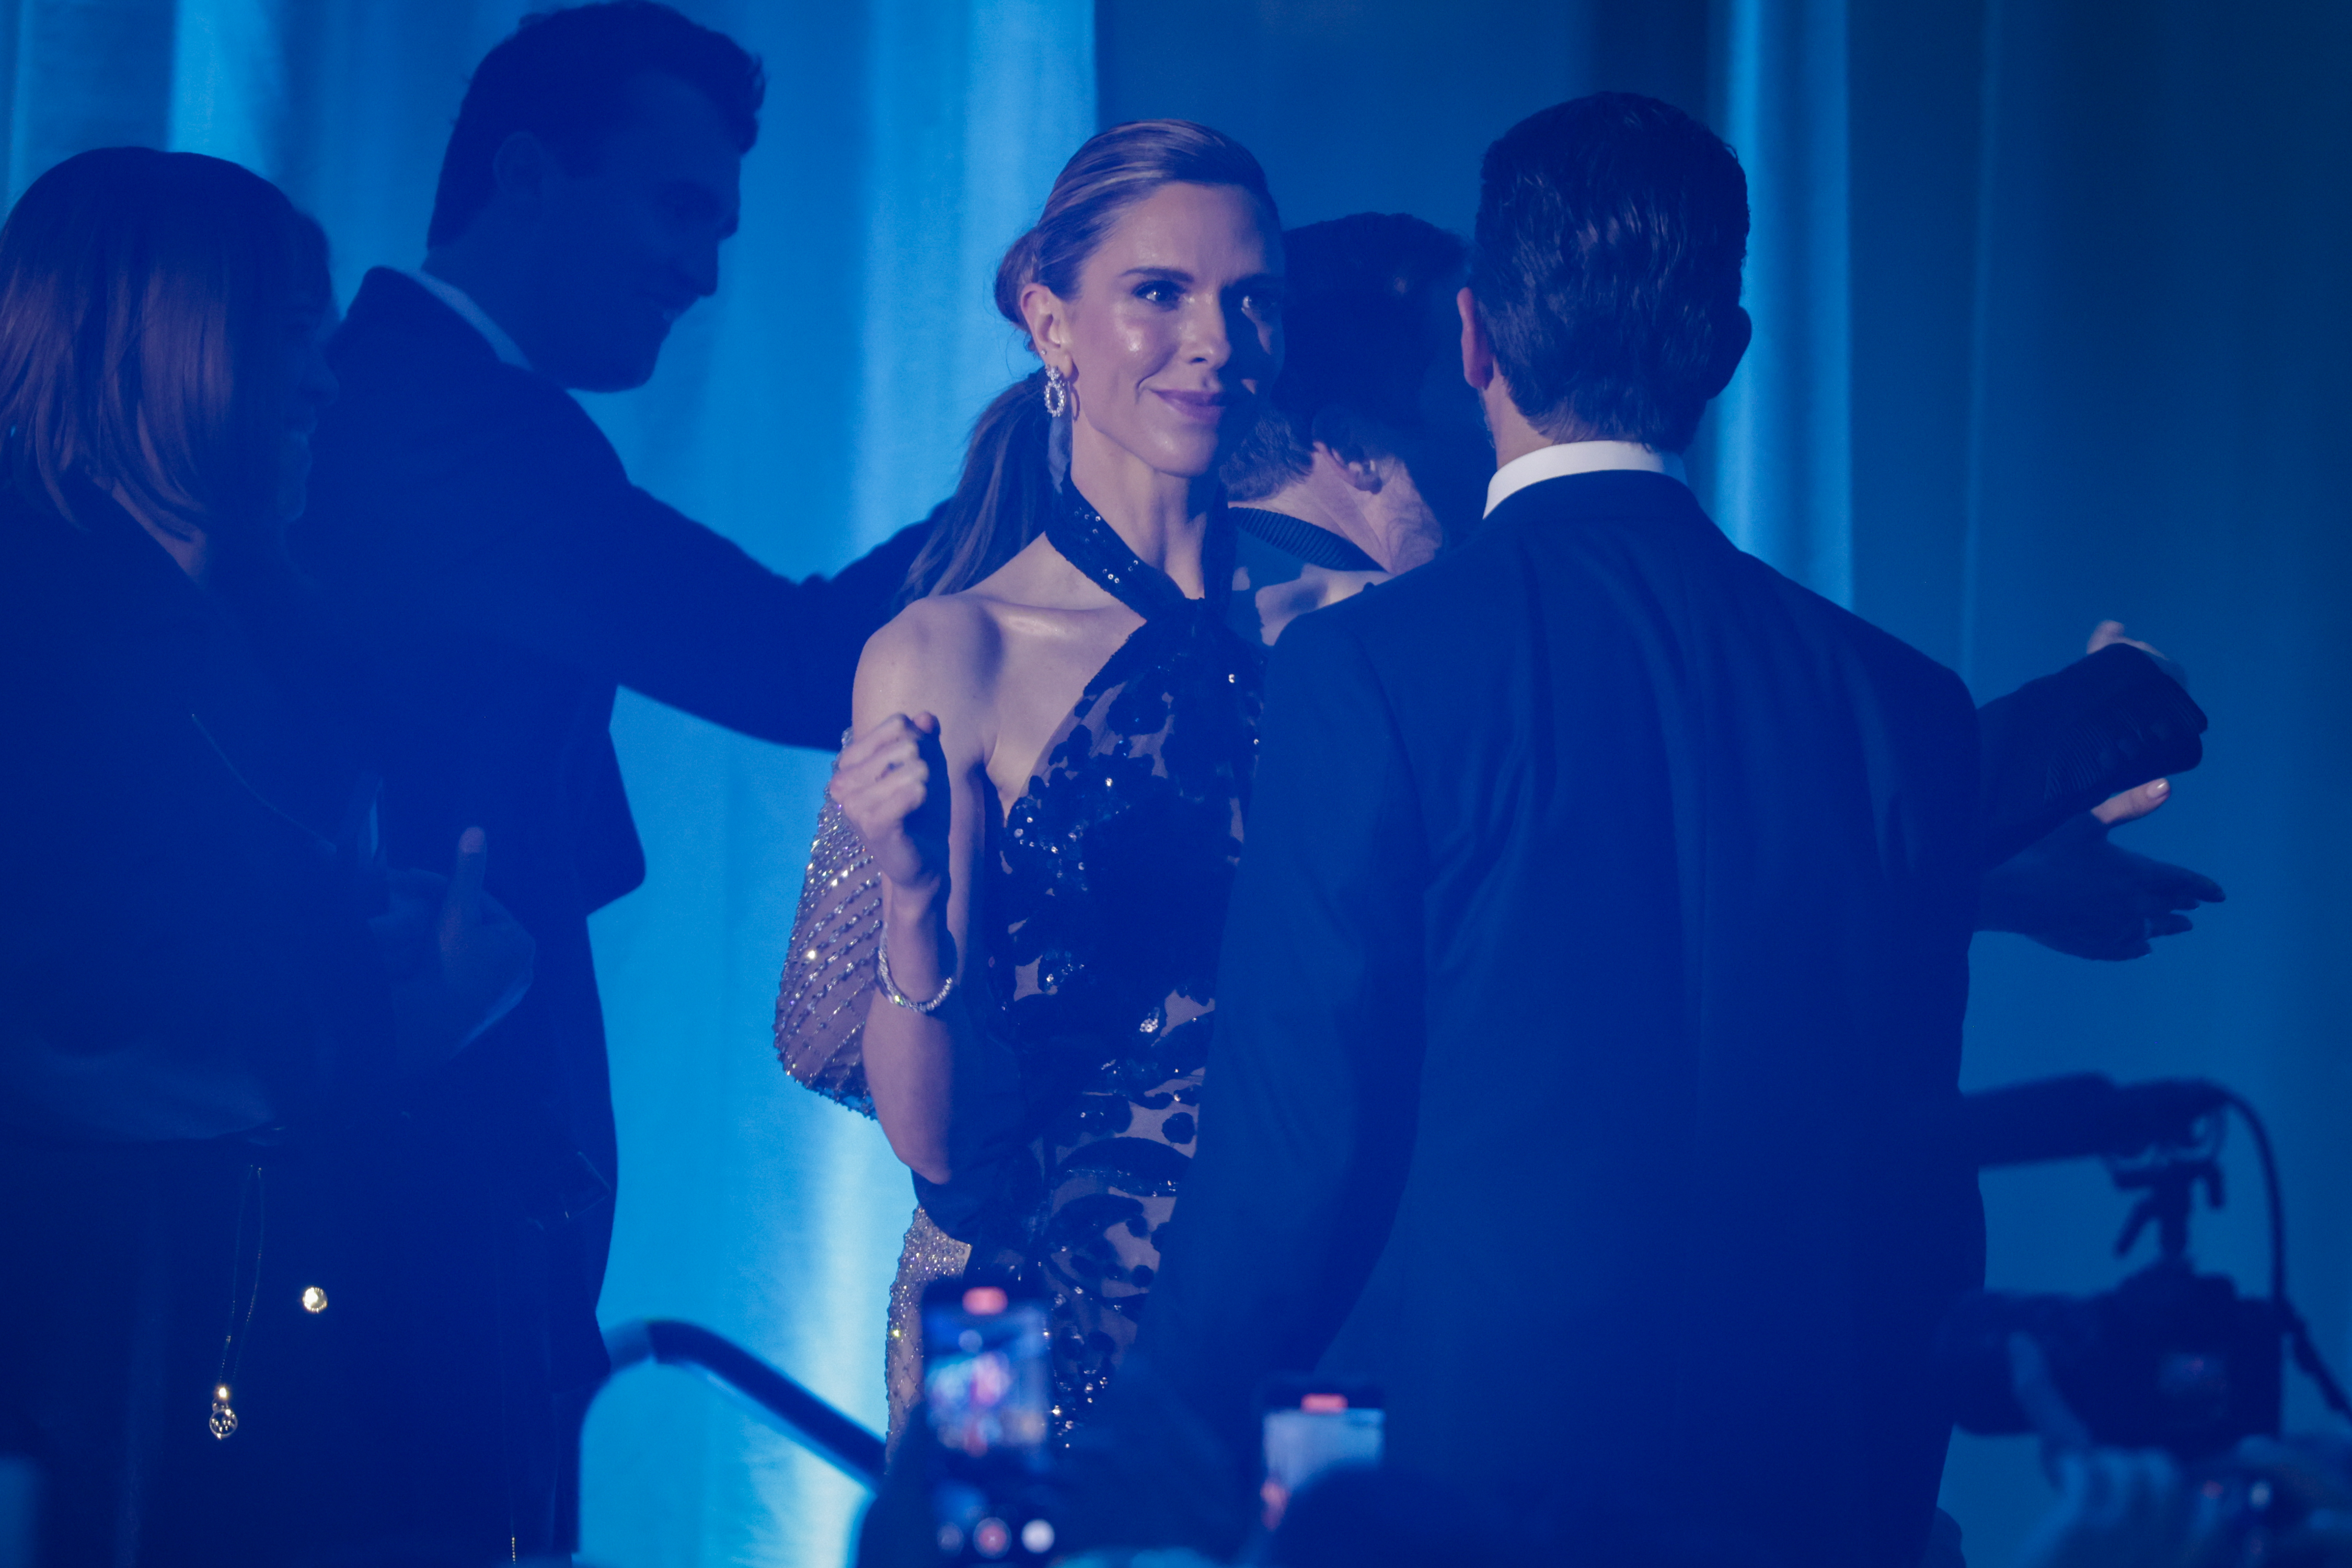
(1105, 896)
(1101, 911)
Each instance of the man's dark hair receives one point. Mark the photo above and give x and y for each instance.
(1606, 270)
(563, 77)
(1356, 317)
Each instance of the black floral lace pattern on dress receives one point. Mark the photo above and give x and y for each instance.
(1105, 897)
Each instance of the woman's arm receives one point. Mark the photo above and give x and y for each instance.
(913, 783)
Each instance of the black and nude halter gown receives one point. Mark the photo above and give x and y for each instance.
(1105, 902)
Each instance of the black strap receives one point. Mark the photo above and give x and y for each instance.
(1297, 536)
(1089, 543)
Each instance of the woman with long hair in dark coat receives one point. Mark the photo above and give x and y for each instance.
(207, 979)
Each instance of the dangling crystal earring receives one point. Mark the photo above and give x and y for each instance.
(1057, 393)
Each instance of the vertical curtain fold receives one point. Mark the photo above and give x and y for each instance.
(229, 81)
(88, 73)
(974, 108)
(1783, 453)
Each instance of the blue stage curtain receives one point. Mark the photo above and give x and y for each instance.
(815, 405)
(1781, 481)
(2159, 331)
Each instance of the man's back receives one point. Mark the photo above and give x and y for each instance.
(1615, 924)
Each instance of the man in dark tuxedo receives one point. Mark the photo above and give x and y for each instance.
(1355, 471)
(503, 576)
(1589, 1016)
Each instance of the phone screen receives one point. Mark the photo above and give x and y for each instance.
(1310, 1428)
(988, 1392)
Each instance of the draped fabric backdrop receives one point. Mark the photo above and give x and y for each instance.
(2050, 320)
(811, 407)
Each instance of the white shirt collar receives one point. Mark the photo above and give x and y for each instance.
(458, 299)
(1578, 458)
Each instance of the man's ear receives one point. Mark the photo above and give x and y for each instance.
(1731, 347)
(1477, 353)
(1361, 473)
(522, 167)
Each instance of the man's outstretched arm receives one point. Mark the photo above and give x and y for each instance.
(1307, 1114)
(2112, 719)
(2058, 746)
(555, 550)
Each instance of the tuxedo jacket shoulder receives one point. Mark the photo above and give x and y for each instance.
(1605, 611)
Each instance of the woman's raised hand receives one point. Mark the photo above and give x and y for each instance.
(891, 782)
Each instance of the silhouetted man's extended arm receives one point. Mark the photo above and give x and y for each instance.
(457, 497)
(2059, 745)
(574, 562)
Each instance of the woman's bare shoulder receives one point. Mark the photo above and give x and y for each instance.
(952, 654)
(938, 656)
(941, 623)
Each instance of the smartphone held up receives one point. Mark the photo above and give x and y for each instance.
(1309, 1428)
(988, 1393)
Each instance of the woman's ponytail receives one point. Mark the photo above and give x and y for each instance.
(1002, 500)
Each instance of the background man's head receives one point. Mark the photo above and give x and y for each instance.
(1369, 376)
(594, 171)
(1606, 271)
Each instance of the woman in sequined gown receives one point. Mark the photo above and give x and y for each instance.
(1035, 823)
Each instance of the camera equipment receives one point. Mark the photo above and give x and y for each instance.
(2171, 1358)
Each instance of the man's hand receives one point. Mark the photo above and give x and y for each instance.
(2080, 894)
(459, 961)
(2116, 1508)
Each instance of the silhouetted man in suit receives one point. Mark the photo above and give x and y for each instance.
(1589, 1016)
(504, 576)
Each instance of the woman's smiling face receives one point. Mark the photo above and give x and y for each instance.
(1176, 329)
